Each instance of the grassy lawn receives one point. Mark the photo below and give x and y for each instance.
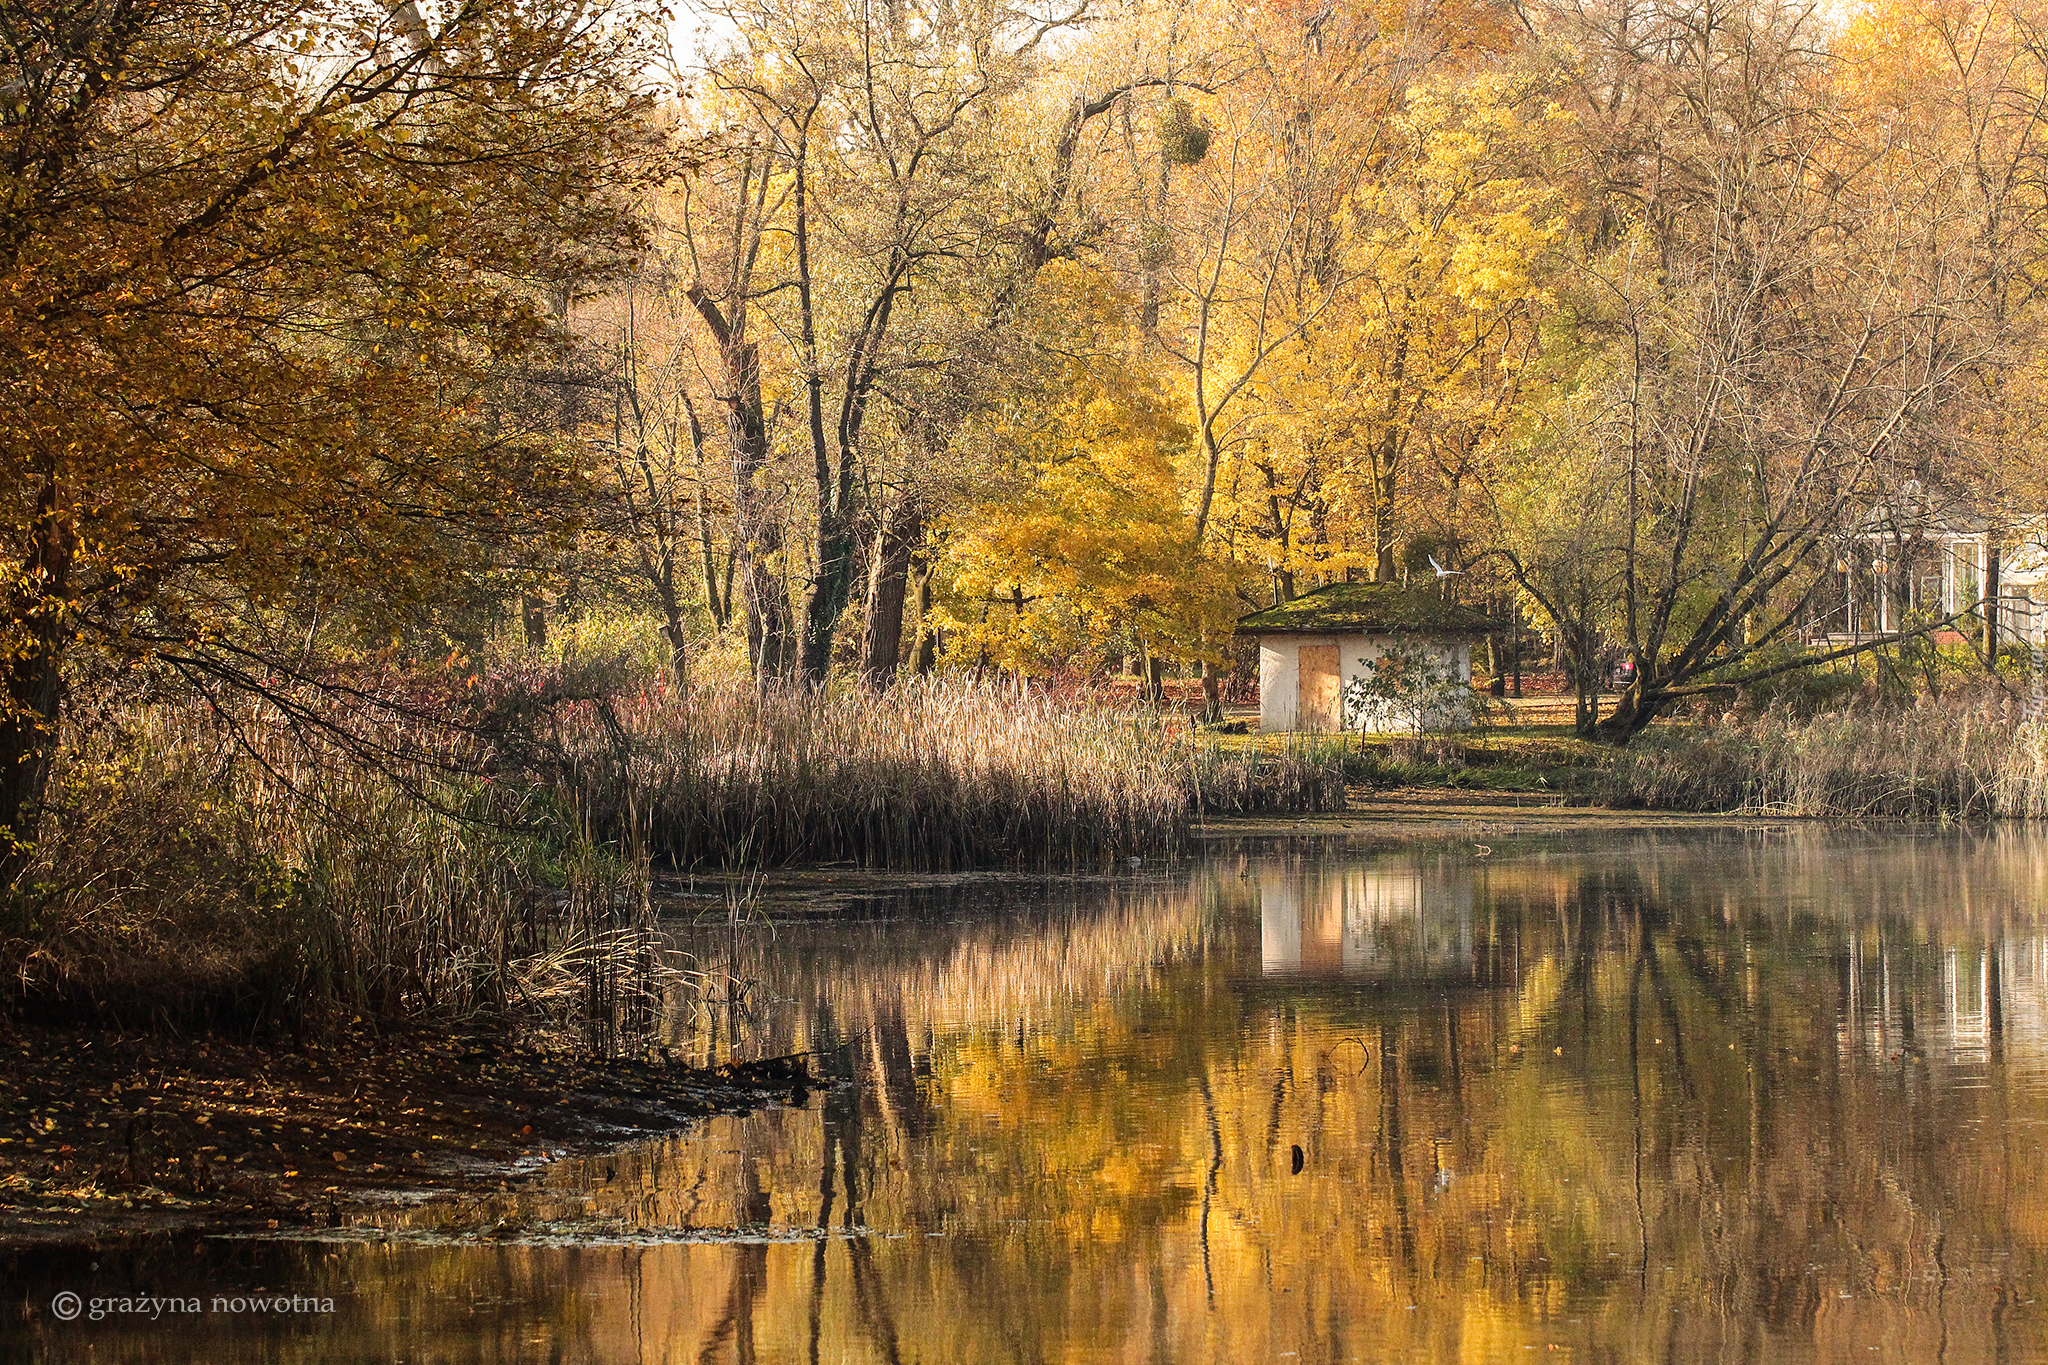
(1509, 758)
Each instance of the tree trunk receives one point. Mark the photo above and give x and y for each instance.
(896, 542)
(1579, 654)
(672, 635)
(1634, 709)
(1149, 688)
(757, 535)
(1515, 650)
(1212, 693)
(533, 619)
(35, 688)
(1991, 568)
(28, 742)
(830, 591)
(925, 657)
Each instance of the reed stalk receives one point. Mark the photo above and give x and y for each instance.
(929, 775)
(1960, 757)
(213, 871)
(211, 866)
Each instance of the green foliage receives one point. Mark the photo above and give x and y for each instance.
(1803, 690)
(1411, 688)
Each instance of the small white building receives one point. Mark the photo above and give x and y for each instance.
(1314, 648)
(1881, 581)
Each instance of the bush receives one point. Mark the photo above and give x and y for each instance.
(1411, 690)
(209, 871)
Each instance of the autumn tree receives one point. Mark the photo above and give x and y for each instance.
(263, 268)
(1769, 337)
(1958, 95)
(665, 524)
(1079, 539)
(1372, 419)
(867, 135)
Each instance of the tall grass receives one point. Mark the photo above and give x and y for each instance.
(1960, 757)
(939, 775)
(207, 865)
(197, 869)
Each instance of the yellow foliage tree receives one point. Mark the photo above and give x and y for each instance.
(1372, 418)
(1081, 541)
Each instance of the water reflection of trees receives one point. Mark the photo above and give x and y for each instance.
(1752, 1099)
(1749, 1098)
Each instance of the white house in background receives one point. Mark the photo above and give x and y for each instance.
(2023, 587)
(1312, 648)
(1882, 579)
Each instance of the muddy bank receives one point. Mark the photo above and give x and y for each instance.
(1401, 814)
(103, 1134)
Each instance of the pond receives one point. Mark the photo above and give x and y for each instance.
(1702, 1095)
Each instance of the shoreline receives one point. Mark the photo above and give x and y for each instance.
(106, 1134)
(1403, 813)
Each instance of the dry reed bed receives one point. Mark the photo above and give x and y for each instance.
(197, 868)
(201, 866)
(940, 775)
(1957, 758)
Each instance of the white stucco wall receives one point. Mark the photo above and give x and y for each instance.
(1280, 669)
(1280, 679)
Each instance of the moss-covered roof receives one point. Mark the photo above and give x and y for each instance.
(1367, 609)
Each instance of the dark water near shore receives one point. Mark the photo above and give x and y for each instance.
(1737, 1096)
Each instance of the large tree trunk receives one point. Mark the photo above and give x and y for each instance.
(757, 533)
(34, 687)
(1634, 709)
(896, 546)
(826, 603)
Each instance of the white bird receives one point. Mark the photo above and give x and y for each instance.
(1441, 571)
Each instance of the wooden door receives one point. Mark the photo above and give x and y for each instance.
(1316, 701)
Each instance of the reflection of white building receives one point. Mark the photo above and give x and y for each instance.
(1990, 998)
(2023, 1009)
(1966, 982)
(1399, 917)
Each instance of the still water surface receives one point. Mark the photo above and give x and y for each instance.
(1711, 1096)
